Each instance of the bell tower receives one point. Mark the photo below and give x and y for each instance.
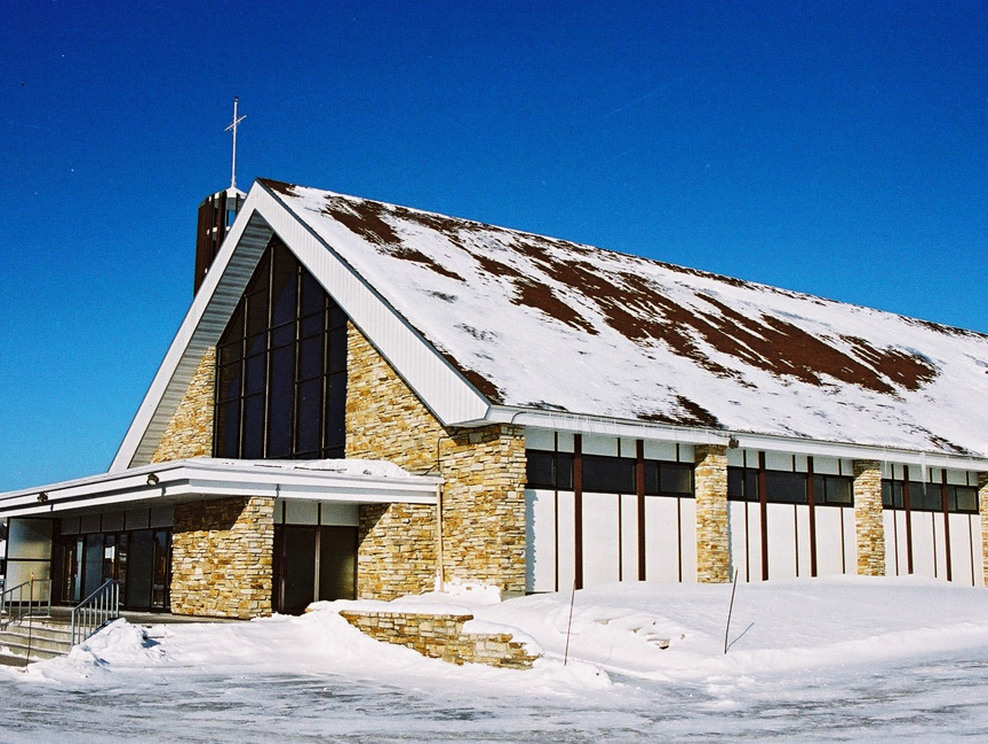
(217, 212)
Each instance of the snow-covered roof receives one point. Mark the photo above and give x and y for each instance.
(544, 324)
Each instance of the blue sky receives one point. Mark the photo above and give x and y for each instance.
(837, 148)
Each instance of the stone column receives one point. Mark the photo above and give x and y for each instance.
(484, 506)
(222, 553)
(868, 523)
(983, 509)
(713, 554)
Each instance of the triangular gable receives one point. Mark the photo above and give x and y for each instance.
(450, 397)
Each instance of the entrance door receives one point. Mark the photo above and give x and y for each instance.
(313, 563)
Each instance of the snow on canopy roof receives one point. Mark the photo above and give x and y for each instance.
(542, 323)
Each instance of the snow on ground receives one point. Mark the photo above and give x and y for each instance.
(843, 659)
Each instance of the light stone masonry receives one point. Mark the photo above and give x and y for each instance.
(868, 522)
(190, 431)
(222, 553)
(713, 553)
(442, 637)
(483, 528)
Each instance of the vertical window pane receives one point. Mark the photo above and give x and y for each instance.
(310, 362)
(675, 478)
(227, 439)
(308, 410)
(284, 288)
(313, 296)
(280, 402)
(337, 349)
(335, 420)
(785, 488)
(253, 429)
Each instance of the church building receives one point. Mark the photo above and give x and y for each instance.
(368, 400)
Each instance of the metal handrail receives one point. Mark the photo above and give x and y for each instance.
(14, 607)
(95, 611)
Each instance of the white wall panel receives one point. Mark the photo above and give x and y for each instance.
(939, 546)
(565, 540)
(922, 533)
(781, 541)
(661, 539)
(594, 444)
(540, 439)
(829, 542)
(891, 554)
(540, 542)
(629, 537)
(802, 546)
(660, 450)
(851, 540)
(776, 461)
(687, 538)
(738, 540)
(979, 574)
(600, 538)
(960, 549)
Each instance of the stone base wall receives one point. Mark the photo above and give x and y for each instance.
(222, 558)
(396, 552)
(869, 524)
(483, 509)
(442, 637)
(713, 551)
(190, 431)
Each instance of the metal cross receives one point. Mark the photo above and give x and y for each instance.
(233, 128)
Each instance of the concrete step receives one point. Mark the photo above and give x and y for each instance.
(41, 638)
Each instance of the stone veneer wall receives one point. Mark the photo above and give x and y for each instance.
(397, 553)
(483, 497)
(484, 506)
(190, 431)
(713, 552)
(983, 509)
(222, 554)
(442, 637)
(869, 524)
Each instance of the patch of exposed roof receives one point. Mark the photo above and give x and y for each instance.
(529, 318)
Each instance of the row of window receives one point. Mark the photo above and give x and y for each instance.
(617, 475)
(783, 487)
(929, 497)
(601, 474)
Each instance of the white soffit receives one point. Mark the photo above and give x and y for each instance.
(450, 397)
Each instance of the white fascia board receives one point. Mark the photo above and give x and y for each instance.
(201, 328)
(450, 397)
(583, 424)
(188, 480)
(586, 424)
(444, 391)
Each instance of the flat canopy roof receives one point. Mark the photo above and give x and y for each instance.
(197, 479)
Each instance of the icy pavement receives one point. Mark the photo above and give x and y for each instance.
(812, 661)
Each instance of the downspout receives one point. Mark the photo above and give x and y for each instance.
(440, 569)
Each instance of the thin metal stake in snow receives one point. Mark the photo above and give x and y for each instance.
(569, 625)
(730, 610)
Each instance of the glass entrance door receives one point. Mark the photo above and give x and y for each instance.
(313, 563)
